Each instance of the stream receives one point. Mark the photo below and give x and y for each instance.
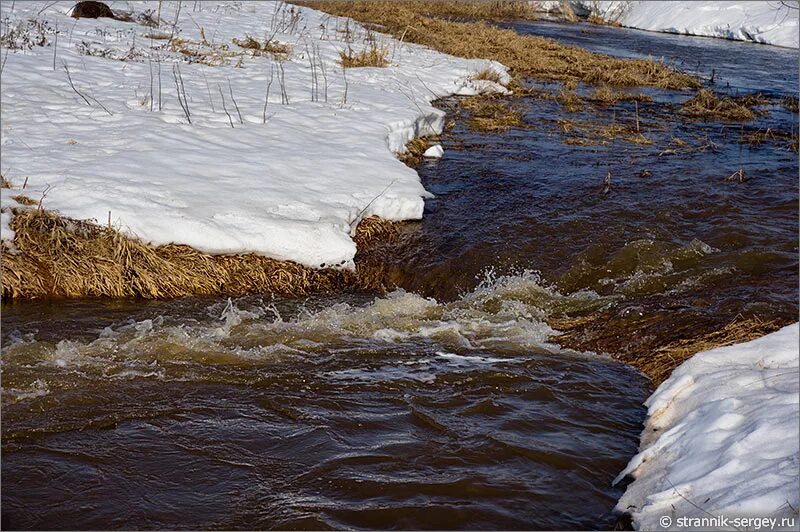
(446, 404)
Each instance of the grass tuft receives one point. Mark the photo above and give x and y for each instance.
(706, 104)
(267, 47)
(373, 56)
(490, 113)
(487, 74)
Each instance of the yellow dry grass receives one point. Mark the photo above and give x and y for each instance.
(372, 56)
(490, 113)
(706, 104)
(268, 47)
(585, 133)
(570, 101)
(61, 257)
(605, 95)
(481, 9)
(414, 150)
(655, 354)
(526, 55)
(660, 363)
(487, 74)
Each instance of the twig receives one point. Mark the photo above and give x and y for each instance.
(210, 99)
(224, 107)
(230, 88)
(362, 211)
(55, 49)
(266, 96)
(176, 74)
(344, 76)
(69, 78)
(150, 66)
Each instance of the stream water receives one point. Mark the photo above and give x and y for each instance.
(444, 404)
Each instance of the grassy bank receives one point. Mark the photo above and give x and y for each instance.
(60, 257)
(526, 55)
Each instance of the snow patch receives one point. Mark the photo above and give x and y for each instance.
(288, 181)
(722, 438)
(761, 22)
(435, 151)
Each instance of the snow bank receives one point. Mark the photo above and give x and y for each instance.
(722, 438)
(767, 22)
(291, 186)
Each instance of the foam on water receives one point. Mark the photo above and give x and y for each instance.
(504, 315)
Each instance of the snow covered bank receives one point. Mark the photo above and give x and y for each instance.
(171, 137)
(763, 21)
(722, 438)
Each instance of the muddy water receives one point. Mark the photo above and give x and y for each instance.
(443, 405)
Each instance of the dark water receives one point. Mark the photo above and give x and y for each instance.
(444, 406)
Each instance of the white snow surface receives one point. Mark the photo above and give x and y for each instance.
(721, 437)
(292, 188)
(434, 152)
(761, 21)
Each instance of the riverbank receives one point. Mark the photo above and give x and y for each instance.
(234, 142)
(721, 441)
(774, 23)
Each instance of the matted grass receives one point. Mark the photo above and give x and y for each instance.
(61, 257)
(706, 104)
(415, 148)
(655, 347)
(490, 113)
(373, 56)
(526, 55)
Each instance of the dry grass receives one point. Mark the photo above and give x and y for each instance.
(373, 56)
(482, 9)
(659, 364)
(653, 345)
(60, 257)
(605, 95)
(414, 150)
(4, 183)
(273, 48)
(770, 136)
(24, 200)
(570, 101)
(585, 133)
(706, 104)
(487, 74)
(791, 104)
(490, 113)
(527, 55)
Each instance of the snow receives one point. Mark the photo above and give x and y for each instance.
(721, 438)
(292, 188)
(435, 151)
(764, 21)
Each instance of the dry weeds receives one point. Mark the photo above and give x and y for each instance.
(373, 56)
(414, 150)
(659, 364)
(526, 55)
(490, 113)
(487, 74)
(61, 257)
(605, 95)
(274, 48)
(585, 133)
(706, 104)
(654, 346)
(570, 101)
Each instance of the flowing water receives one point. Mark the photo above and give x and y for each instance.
(444, 404)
